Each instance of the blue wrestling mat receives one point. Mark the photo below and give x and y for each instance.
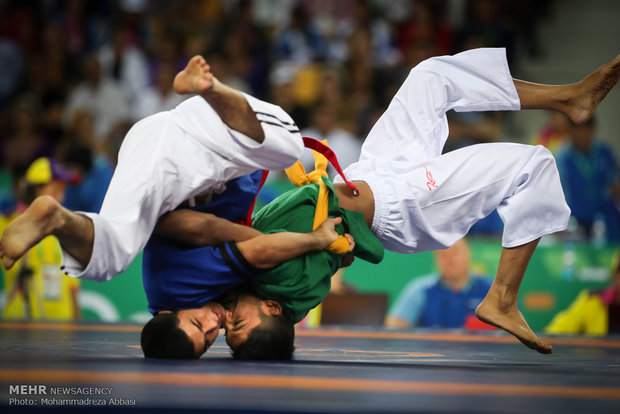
(99, 368)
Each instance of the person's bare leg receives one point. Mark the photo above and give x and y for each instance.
(499, 307)
(577, 100)
(44, 217)
(229, 103)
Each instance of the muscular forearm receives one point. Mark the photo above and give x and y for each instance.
(201, 229)
(270, 250)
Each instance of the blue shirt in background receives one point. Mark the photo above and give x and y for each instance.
(587, 181)
(88, 195)
(427, 302)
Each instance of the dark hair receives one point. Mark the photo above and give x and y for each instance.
(28, 192)
(162, 338)
(79, 155)
(271, 340)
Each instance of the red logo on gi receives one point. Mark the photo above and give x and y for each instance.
(431, 181)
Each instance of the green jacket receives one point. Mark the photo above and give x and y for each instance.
(301, 284)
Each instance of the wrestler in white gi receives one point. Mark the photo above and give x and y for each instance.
(165, 160)
(426, 201)
(421, 200)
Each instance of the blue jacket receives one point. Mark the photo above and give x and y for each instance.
(427, 302)
(178, 277)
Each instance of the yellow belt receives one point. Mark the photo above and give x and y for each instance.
(297, 174)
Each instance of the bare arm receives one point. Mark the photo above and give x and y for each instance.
(263, 251)
(269, 250)
(201, 229)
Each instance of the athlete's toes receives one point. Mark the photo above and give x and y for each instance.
(547, 349)
(542, 347)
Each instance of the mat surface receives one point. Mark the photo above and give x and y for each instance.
(72, 367)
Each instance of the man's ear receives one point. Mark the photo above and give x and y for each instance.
(273, 308)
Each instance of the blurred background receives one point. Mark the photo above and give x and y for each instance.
(76, 74)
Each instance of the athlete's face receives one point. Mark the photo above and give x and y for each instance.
(202, 325)
(245, 314)
(453, 264)
(582, 136)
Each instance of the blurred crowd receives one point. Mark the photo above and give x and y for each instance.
(78, 73)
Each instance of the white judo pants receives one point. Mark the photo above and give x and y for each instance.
(168, 158)
(428, 201)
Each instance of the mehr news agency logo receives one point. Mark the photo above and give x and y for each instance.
(42, 395)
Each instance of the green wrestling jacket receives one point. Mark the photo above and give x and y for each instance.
(301, 284)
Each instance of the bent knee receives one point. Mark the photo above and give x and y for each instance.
(543, 156)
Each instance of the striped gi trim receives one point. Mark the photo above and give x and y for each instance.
(271, 119)
(235, 260)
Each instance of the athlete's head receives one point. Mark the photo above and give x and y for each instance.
(183, 334)
(256, 328)
(454, 264)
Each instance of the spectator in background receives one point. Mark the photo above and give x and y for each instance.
(360, 99)
(555, 133)
(369, 79)
(55, 60)
(103, 97)
(589, 175)
(485, 26)
(125, 63)
(35, 287)
(300, 41)
(592, 312)
(525, 17)
(282, 92)
(252, 46)
(96, 172)
(332, 93)
(12, 63)
(82, 130)
(85, 154)
(324, 125)
(446, 299)
(71, 19)
(169, 48)
(369, 24)
(426, 26)
(23, 142)
(159, 97)
(52, 121)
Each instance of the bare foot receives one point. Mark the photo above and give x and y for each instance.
(512, 322)
(592, 90)
(195, 78)
(37, 222)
